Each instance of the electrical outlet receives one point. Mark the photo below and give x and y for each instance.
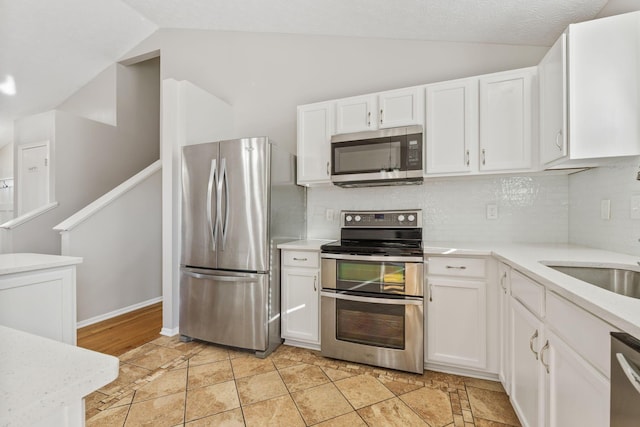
(492, 211)
(329, 214)
(605, 209)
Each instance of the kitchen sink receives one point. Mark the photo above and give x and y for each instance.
(615, 279)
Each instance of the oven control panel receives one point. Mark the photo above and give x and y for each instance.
(386, 219)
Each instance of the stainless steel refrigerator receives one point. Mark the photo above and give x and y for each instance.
(239, 200)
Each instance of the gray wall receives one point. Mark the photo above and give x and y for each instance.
(90, 158)
(265, 76)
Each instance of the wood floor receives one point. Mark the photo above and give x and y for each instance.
(122, 333)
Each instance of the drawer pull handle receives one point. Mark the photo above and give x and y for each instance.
(533, 337)
(502, 279)
(462, 267)
(300, 259)
(546, 347)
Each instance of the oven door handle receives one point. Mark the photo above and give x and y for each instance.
(374, 258)
(388, 301)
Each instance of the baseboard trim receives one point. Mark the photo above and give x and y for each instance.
(118, 312)
(168, 332)
(467, 372)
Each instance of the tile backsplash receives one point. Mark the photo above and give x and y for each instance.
(530, 208)
(617, 183)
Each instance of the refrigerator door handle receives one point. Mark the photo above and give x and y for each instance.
(224, 180)
(220, 278)
(213, 226)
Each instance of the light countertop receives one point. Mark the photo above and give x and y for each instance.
(39, 375)
(620, 311)
(17, 263)
(305, 245)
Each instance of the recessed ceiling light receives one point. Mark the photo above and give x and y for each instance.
(8, 86)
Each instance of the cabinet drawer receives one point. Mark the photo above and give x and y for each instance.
(300, 259)
(457, 266)
(585, 333)
(528, 292)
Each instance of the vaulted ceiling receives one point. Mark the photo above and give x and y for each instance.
(52, 48)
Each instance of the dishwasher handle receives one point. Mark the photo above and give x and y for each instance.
(630, 371)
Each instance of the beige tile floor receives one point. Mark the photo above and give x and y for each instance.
(169, 383)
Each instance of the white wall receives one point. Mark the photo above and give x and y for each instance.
(265, 76)
(616, 182)
(97, 99)
(89, 158)
(121, 250)
(530, 208)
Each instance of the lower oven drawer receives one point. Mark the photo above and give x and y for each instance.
(376, 331)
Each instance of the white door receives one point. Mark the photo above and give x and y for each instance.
(400, 108)
(577, 393)
(33, 176)
(300, 301)
(315, 127)
(356, 114)
(506, 120)
(527, 387)
(553, 89)
(457, 322)
(452, 126)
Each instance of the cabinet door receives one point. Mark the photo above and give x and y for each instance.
(578, 395)
(553, 101)
(356, 114)
(506, 120)
(504, 370)
(457, 322)
(604, 95)
(452, 126)
(315, 127)
(400, 108)
(527, 387)
(300, 301)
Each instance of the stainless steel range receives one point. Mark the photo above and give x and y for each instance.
(372, 307)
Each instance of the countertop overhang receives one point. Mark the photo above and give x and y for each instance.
(39, 376)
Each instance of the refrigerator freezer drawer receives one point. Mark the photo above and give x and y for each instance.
(225, 308)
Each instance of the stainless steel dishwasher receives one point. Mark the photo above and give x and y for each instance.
(625, 380)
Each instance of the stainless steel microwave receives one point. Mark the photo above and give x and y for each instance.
(383, 157)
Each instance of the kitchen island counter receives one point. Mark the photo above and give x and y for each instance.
(42, 381)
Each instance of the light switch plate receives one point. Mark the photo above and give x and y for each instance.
(329, 214)
(605, 209)
(492, 211)
(635, 207)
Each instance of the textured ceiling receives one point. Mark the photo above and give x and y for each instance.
(54, 47)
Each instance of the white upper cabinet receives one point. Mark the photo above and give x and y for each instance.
(590, 93)
(506, 120)
(389, 109)
(451, 130)
(356, 114)
(315, 127)
(552, 72)
(401, 107)
(604, 87)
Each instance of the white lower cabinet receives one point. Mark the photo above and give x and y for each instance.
(504, 280)
(577, 394)
(526, 372)
(461, 318)
(457, 323)
(300, 294)
(558, 359)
